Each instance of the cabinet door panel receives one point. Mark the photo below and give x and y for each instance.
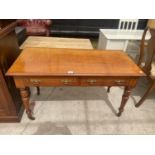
(3, 102)
(5, 98)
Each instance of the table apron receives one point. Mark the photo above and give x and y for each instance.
(37, 81)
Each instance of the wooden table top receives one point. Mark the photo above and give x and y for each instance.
(73, 62)
(56, 42)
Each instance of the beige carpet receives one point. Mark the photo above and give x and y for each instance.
(87, 110)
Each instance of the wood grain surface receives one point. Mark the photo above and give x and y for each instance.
(73, 62)
(56, 42)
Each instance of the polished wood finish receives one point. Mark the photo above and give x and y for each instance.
(73, 67)
(25, 98)
(77, 62)
(142, 47)
(73, 81)
(10, 99)
(56, 42)
(5, 98)
(125, 98)
(6, 29)
(147, 62)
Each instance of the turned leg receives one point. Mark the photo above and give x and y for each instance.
(38, 91)
(108, 90)
(150, 89)
(25, 98)
(125, 98)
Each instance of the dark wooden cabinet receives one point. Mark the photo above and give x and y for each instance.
(10, 100)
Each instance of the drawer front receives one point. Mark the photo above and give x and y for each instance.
(104, 81)
(74, 81)
(54, 81)
(47, 81)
